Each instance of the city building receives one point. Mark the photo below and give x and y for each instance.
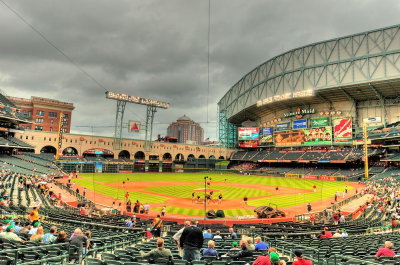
(186, 130)
(44, 113)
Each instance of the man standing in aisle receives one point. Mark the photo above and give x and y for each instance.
(191, 242)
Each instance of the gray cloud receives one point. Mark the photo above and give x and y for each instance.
(158, 49)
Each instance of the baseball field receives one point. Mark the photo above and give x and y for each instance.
(174, 190)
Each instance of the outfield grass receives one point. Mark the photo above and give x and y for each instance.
(325, 189)
(229, 192)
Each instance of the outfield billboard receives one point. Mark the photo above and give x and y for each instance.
(266, 136)
(300, 124)
(248, 134)
(343, 130)
(319, 122)
(289, 138)
(282, 126)
(318, 136)
(248, 144)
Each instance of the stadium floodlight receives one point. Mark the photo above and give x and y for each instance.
(137, 100)
(152, 106)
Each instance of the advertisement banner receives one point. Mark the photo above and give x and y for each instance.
(309, 177)
(300, 124)
(134, 126)
(319, 122)
(248, 144)
(248, 134)
(266, 130)
(282, 126)
(342, 129)
(332, 178)
(266, 136)
(318, 136)
(289, 138)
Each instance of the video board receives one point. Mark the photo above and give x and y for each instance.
(318, 135)
(296, 137)
(248, 143)
(248, 134)
(300, 124)
(282, 126)
(266, 136)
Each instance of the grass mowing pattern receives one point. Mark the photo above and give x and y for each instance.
(291, 200)
(325, 189)
(228, 192)
(198, 177)
(119, 193)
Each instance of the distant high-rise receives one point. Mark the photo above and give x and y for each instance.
(186, 130)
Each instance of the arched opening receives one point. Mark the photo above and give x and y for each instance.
(211, 157)
(221, 157)
(191, 157)
(154, 157)
(124, 155)
(98, 154)
(140, 155)
(48, 149)
(167, 157)
(179, 157)
(202, 156)
(70, 151)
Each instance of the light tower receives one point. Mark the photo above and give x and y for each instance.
(152, 106)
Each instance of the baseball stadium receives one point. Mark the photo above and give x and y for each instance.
(309, 142)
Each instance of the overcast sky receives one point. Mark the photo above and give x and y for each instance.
(158, 50)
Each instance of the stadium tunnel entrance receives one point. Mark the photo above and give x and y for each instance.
(48, 149)
(70, 151)
(124, 154)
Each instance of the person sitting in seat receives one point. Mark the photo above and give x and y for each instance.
(157, 253)
(207, 234)
(249, 244)
(38, 236)
(217, 235)
(386, 251)
(210, 251)
(10, 235)
(260, 245)
(300, 260)
(242, 253)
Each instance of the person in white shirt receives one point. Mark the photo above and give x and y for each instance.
(337, 233)
(217, 235)
(344, 233)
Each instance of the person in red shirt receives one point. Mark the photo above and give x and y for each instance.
(386, 251)
(325, 233)
(300, 260)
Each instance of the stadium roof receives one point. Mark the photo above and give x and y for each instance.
(357, 67)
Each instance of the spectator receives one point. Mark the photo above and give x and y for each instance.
(210, 251)
(25, 229)
(10, 235)
(80, 241)
(50, 237)
(207, 234)
(34, 215)
(242, 253)
(217, 235)
(34, 229)
(260, 245)
(386, 251)
(249, 244)
(157, 225)
(157, 253)
(148, 234)
(299, 259)
(337, 233)
(344, 233)
(38, 236)
(191, 241)
(178, 235)
(61, 238)
(232, 234)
